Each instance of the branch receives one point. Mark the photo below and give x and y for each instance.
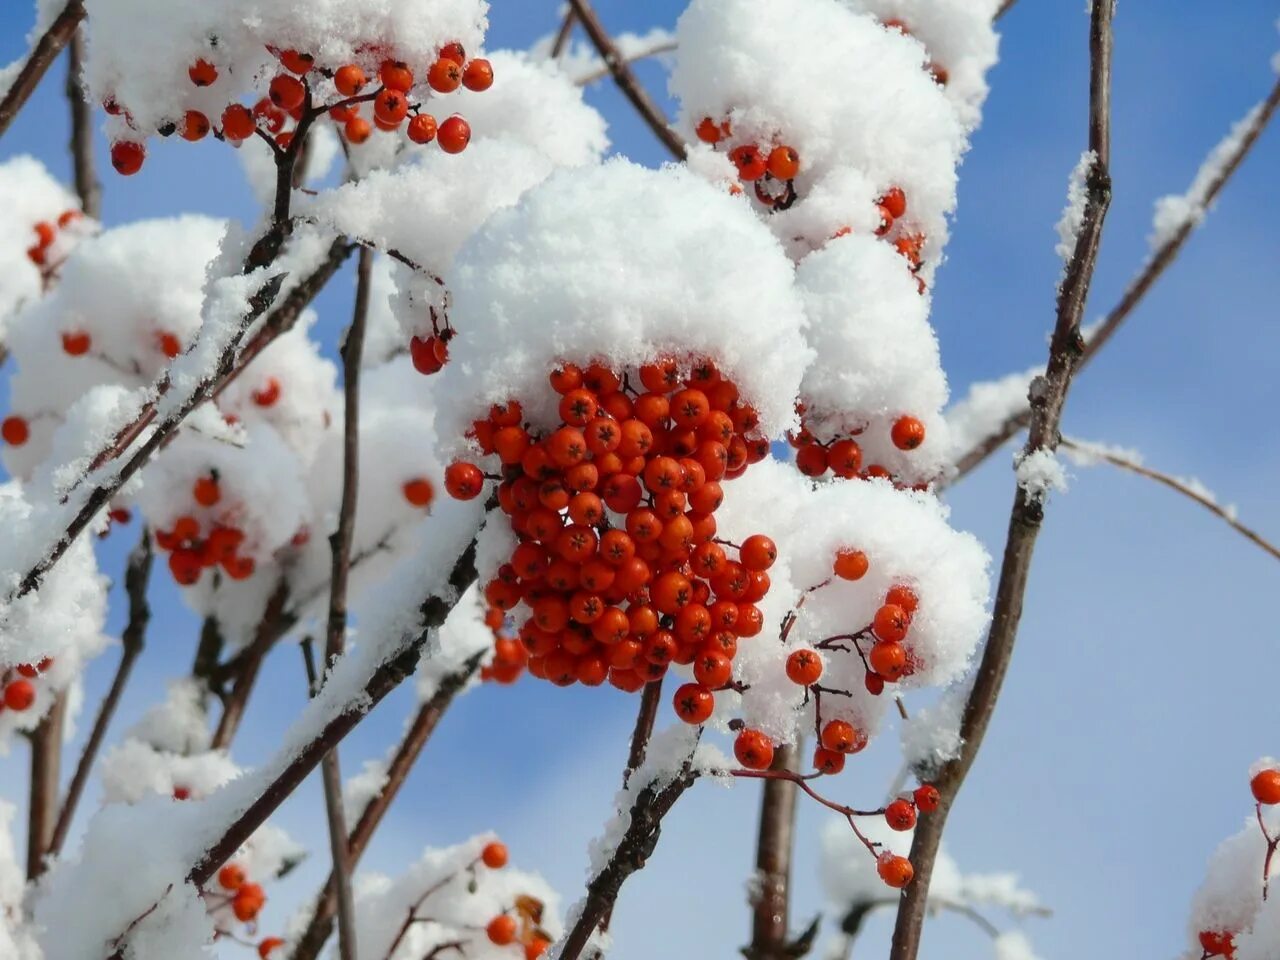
(136, 578)
(645, 719)
(86, 177)
(1092, 451)
(41, 58)
(563, 34)
(420, 730)
(1005, 7)
(46, 757)
(626, 80)
(275, 623)
(340, 544)
(770, 900)
(1065, 351)
(1142, 283)
(657, 50)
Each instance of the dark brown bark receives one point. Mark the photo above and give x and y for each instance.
(41, 58)
(770, 897)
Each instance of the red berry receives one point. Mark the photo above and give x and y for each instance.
(709, 131)
(422, 128)
(494, 855)
(454, 51)
(268, 394)
(804, 667)
(851, 564)
(1266, 786)
(900, 814)
(753, 749)
(195, 126)
(390, 107)
(888, 659)
(902, 596)
(1218, 943)
(784, 163)
(19, 695)
(206, 491)
(127, 157)
(15, 431)
(895, 202)
(758, 552)
(350, 80)
(419, 492)
(907, 433)
(812, 460)
(894, 870)
(287, 92)
(202, 73)
(445, 76)
(927, 798)
(501, 930)
(463, 481)
(891, 623)
(841, 737)
(76, 343)
(237, 122)
(454, 135)
(268, 946)
(357, 130)
(828, 761)
(694, 703)
(396, 75)
(478, 75)
(751, 163)
(296, 62)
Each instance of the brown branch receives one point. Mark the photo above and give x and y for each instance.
(645, 719)
(340, 545)
(626, 80)
(633, 851)
(136, 578)
(1005, 7)
(563, 34)
(38, 62)
(88, 188)
(46, 766)
(1176, 484)
(276, 621)
(1027, 514)
(656, 50)
(1139, 286)
(770, 902)
(320, 927)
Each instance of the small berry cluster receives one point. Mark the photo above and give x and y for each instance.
(190, 553)
(771, 170)
(245, 900)
(520, 926)
(618, 562)
(510, 657)
(842, 455)
(291, 95)
(19, 690)
(53, 240)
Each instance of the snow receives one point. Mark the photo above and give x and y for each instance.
(1039, 472)
(1073, 214)
(987, 406)
(1177, 211)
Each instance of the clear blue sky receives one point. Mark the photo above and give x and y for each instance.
(1142, 687)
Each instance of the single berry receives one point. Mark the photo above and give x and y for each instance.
(454, 135)
(784, 163)
(195, 126)
(206, 491)
(751, 163)
(888, 659)
(494, 855)
(694, 703)
(231, 877)
(907, 433)
(758, 552)
(1266, 786)
(501, 930)
(76, 343)
(927, 798)
(19, 695)
(894, 870)
(900, 814)
(127, 157)
(891, 623)
(396, 75)
(804, 667)
(237, 122)
(202, 73)
(390, 107)
(753, 749)
(419, 492)
(851, 564)
(422, 128)
(287, 92)
(357, 130)
(296, 62)
(709, 131)
(463, 481)
(269, 946)
(15, 431)
(478, 75)
(349, 80)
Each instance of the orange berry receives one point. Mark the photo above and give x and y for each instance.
(845, 459)
(889, 660)
(396, 75)
(907, 433)
(851, 564)
(76, 343)
(231, 877)
(127, 157)
(709, 131)
(195, 126)
(202, 73)
(501, 930)
(445, 76)
(891, 623)
(15, 431)
(1266, 786)
(784, 163)
(828, 761)
(391, 106)
(1218, 943)
(758, 552)
(894, 870)
(350, 80)
(753, 749)
(494, 855)
(900, 814)
(248, 902)
(804, 667)
(268, 394)
(286, 92)
(841, 737)
(895, 202)
(357, 130)
(422, 128)
(538, 946)
(454, 135)
(927, 798)
(419, 491)
(296, 62)
(237, 122)
(812, 460)
(694, 703)
(478, 75)
(19, 695)
(750, 162)
(206, 491)
(463, 481)
(269, 946)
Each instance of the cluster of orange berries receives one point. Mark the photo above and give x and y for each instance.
(771, 171)
(843, 456)
(19, 693)
(1265, 787)
(46, 233)
(618, 560)
(901, 813)
(510, 657)
(246, 901)
(289, 95)
(190, 554)
(524, 929)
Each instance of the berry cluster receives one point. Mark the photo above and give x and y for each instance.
(771, 170)
(520, 926)
(245, 901)
(53, 241)
(291, 100)
(19, 692)
(618, 563)
(510, 657)
(190, 552)
(842, 455)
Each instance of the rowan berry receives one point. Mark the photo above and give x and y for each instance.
(784, 163)
(894, 870)
(888, 659)
(694, 703)
(841, 737)
(286, 92)
(195, 126)
(268, 947)
(349, 80)
(422, 128)
(753, 749)
(454, 134)
(1218, 943)
(390, 107)
(15, 431)
(812, 460)
(237, 122)
(231, 877)
(828, 761)
(463, 481)
(907, 433)
(478, 76)
(804, 667)
(1266, 786)
(202, 73)
(419, 492)
(454, 51)
(396, 75)
(900, 814)
(891, 623)
(758, 552)
(494, 855)
(709, 131)
(750, 161)
(927, 798)
(19, 695)
(296, 62)
(127, 157)
(357, 130)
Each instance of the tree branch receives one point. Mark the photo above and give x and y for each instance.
(1065, 351)
(276, 621)
(88, 188)
(1177, 484)
(1141, 283)
(136, 578)
(645, 719)
(46, 765)
(626, 80)
(563, 34)
(38, 62)
(770, 895)
(1005, 7)
(656, 50)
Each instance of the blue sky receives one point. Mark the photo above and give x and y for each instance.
(1140, 691)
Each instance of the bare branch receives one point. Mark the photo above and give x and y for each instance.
(46, 766)
(1142, 283)
(1025, 519)
(88, 188)
(1005, 7)
(136, 578)
(645, 719)
(563, 34)
(657, 50)
(38, 62)
(770, 901)
(1092, 451)
(626, 79)
(276, 621)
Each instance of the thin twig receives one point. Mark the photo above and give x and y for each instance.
(1005, 7)
(1027, 514)
(657, 50)
(136, 579)
(340, 544)
(770, 894)
(563, 34)
(645, 719)
(420, 730)
(1141, 284)
(626, 79)
(46, 766)
(276, 621)
(1176, 484)
(38, 62)
(88, 188)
